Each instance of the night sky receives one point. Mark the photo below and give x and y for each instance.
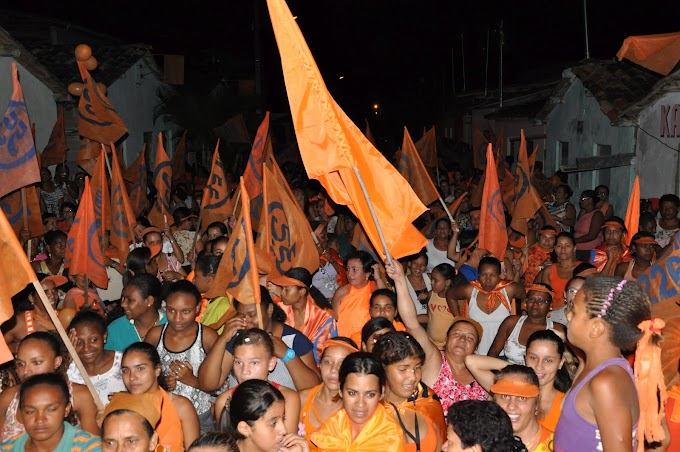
(396, 53)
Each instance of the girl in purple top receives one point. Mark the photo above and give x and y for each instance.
(602, 410)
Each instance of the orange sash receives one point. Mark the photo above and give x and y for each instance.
(353, 312)
(495, 295)
(552, 416)
(381, 432)
(318, 324)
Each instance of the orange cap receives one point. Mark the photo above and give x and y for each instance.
(285, 281)
(58, 280)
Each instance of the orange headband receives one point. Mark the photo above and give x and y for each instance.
(540, 288)
(548, 232)
(645, 241)
(150, 229)
(514, 388)
(613, 225)
(332, 342)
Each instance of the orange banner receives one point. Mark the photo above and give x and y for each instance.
(136, 175)
(413, 170)
(15, 274)
(122, 215)
(427, 148)
(14, 211)
(18, 160)
(179, 167)
(527, 200)
(97, 119)
(632, 220)
(493, 235)
(237, 271)
(84, 254)
(659, 53)
(284, 230)
(162, 180)
(55, 151)
(100, 195)
(217, 205)
(332, 146)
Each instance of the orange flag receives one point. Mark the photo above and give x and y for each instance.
(332, 147)
(284, 230)
(18, 216)
(122, 216)
(479, 143)
(237, 272)
(88, 153)
(659, 53)
(100, 195)
(427, 148)
(500, 148)
(162, 180)
(55, 151)
(15, 274)
(97, 119)
(179, 167)
(632, 220)
(428, 229)
(527, 200)
(233, 131)
(84, 254)
(369, 135)
(508, 190)
(493, 235)
(413, 170)
(18, 161)
(252, 176)
(217, 205)
(532, 161)
(136, 175)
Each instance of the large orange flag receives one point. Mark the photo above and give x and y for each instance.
(284, 230)
(216, 204)
(493, 235)
(632, 220)
(97, 119)
(136, 175)
(100, 195)
(18, 161)
(427, 148)
(84, 254)
(369, 135)
(15, 274)
(527, 200)
(237, 273)
(55, 151)
(179, 167)
(162, 180)
(18, 216)
(413, 170)
(332, 147)
(122, 215)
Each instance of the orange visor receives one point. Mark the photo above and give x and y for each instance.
(333, 342)
(514, 388)
(285, 281)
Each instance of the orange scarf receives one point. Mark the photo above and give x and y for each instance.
(495, 295)
(536, 257)
(381, 432)
(600, 258)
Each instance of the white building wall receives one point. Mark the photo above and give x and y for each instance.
(597, 130)
(657, 154)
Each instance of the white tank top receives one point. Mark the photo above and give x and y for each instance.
(513, 350)
(489, 322)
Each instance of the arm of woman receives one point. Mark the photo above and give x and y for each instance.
(502, 335)
(337, 299)
(188, 418)
(569, 216)
(595, 228)
(292, 406)
(452, 302)
(300, 370)
(407, 310)
(83, 405)
(612, 409)
(481, 367)
(217, 364)
(378, 277)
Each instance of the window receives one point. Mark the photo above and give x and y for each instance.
(602, 176)
(562, 157)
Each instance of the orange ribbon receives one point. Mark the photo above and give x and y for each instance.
(495, 295)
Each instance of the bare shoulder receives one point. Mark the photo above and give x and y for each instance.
(154, 335)
(182, 403)
(7, 395)
(288, 393)
(303, 395)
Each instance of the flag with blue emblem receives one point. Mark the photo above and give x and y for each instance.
(162, 180)
(122, 216)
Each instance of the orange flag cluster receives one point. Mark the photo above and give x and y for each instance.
(284, 230)
(414, 171)
(336, 153)
(84, 254)
(493, 235)
(162, 180)
(237, 272)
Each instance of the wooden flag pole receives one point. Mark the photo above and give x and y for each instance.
(106, 158)
(68, 344)
(260, 322)
(24, 209)
(446, 208)
(388, 258)
(238, 197)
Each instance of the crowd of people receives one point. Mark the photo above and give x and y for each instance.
(449, 349)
